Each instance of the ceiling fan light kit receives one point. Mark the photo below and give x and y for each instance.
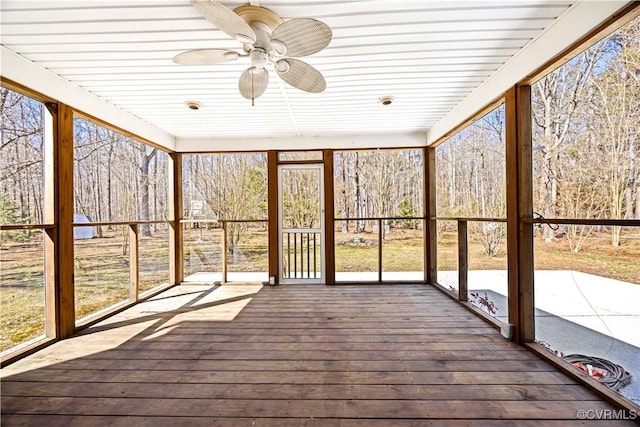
(268, 41)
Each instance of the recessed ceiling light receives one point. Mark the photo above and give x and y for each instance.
(193, 105)
(386, 100)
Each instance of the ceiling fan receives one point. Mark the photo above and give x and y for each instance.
(268, 41)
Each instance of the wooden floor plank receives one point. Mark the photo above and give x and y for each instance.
(285, 337)
(302, 408)
(193, 421)
(336, 345)
(292, 377)
(536, 365)
(291, 391)
(292, 355)
(122, 354)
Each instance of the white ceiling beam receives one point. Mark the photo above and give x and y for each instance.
(28, 74)
(301, 142)
(578, 21)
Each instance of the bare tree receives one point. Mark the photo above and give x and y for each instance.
(234, 186)
(21, 154)
(615, 114)
(557, 98)
(147, 154)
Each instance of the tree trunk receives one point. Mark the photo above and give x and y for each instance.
(628, 202)
(345, 201)
(551, 196)
(145, 230)
(359, 223)
(109, 186)
(98, 200)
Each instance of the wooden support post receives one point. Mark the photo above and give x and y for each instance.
(176, 255)
(429, 229)
(463, 260)
(224, 251)
(134, 266)
(380, 241)
(58, 210)
(329, 215)
(51, 294)
(272, 213)
(519, 206)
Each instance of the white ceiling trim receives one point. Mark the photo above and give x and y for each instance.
(16, 68)
(574, 24)
(343, 142)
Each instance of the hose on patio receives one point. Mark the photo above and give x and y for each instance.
(606, 372)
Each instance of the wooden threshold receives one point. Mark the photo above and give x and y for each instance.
(381, 355)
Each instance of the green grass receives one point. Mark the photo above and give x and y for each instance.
(101, 273)
(22, 314)
(22, 289)
(153, 261)
(401, 251)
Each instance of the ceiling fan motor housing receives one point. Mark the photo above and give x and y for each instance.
(259, 59)
(262, 35)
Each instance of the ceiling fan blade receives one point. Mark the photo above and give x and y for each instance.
(302, 36)
(300, 75)
(226, 20)
(253, 85)
(205, 57)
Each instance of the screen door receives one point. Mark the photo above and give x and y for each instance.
(301, 223)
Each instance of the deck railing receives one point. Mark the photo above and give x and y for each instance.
(583, 298)
(23, 284)
(462, 243)
(100, 281)
(107, 276)
(463, 249)
(382, 228)
(224, 225)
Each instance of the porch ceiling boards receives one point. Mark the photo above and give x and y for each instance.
(292, 355)
(441, 60)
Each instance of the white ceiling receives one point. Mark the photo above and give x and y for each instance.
(442, 61)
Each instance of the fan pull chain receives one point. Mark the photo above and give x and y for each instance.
(253, 104)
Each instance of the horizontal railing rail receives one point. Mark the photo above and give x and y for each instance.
(584, 221)
(465, 218)
(214, 221)
(107, 223)
(383, 218)
(10, 227)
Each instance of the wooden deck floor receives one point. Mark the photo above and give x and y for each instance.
(385, 355)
